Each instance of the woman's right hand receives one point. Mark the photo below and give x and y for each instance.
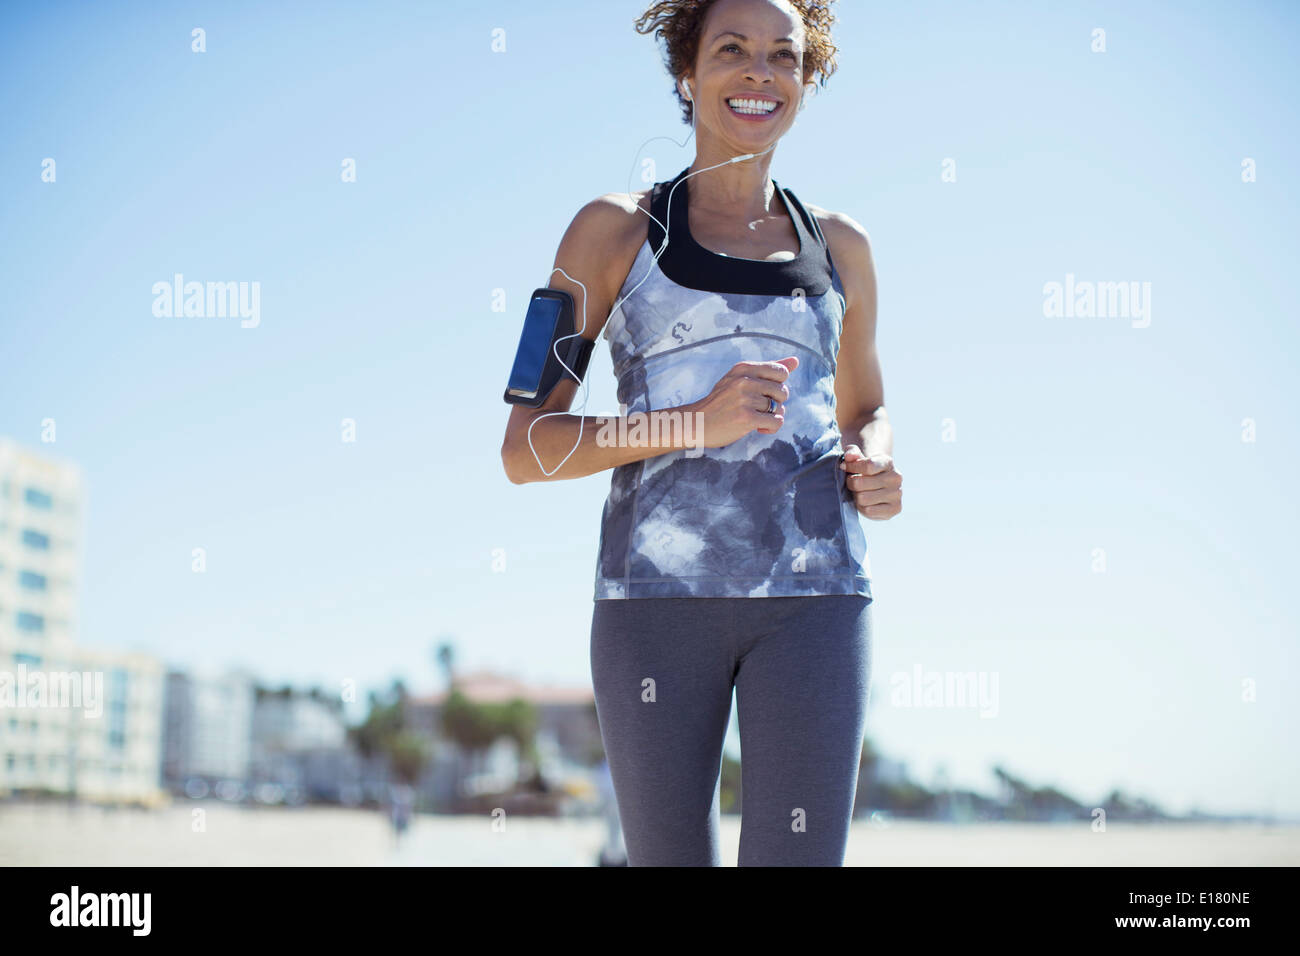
(738, 403)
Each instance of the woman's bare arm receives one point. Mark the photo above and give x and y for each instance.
(859, 390)
(598, 250)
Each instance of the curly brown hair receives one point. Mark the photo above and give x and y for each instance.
(678, 22)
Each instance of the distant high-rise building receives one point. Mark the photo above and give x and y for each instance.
(73, 720)
(208, 730)
(40, 541)
(300, 742)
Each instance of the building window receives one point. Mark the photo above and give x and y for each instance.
(117, 699)
(36, 498)
(29, 622)
(36, 540)
(32, 581)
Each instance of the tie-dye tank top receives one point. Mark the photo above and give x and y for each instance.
(767, 515)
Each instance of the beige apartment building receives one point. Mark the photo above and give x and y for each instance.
(73, 720)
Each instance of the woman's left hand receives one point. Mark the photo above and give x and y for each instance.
(877, 488)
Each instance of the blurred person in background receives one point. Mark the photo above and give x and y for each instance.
(401, 803)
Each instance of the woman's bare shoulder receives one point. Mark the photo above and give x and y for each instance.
(606, 235)
(609, 230)
(619, 217)
(850, 248)
(598, 250)
(843, 233)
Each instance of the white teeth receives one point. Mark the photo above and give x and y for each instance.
(755, 107)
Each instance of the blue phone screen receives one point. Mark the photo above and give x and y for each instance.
(534, 343)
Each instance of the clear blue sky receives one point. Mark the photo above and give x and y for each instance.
(330, 561)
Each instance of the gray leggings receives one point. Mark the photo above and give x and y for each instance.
(663, 671)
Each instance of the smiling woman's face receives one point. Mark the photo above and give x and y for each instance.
(748, 75)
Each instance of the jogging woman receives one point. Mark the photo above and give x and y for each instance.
(732, 556)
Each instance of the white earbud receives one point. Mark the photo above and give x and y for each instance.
(687, 84)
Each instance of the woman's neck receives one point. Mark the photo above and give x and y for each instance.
(743, 189)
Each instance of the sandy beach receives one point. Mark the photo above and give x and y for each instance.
(215, 834)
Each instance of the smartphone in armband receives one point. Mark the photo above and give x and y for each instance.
(537, 371)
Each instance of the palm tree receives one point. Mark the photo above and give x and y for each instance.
(445, 655)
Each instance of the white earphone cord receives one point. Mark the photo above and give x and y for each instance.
(655, 259)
